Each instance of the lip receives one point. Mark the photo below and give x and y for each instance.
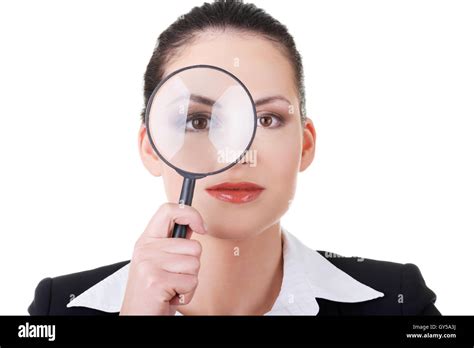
(238, 192)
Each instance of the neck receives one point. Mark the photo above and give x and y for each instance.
(238, 277)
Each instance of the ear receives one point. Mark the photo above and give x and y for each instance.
(309, 145)
(149, 158)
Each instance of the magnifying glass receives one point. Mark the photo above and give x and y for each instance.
(200, 120)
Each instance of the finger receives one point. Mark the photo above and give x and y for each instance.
(168, 214)
(181, 283)
(180, 246)
(175, 263)
(182, 299)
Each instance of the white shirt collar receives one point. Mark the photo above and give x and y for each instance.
(307, 275)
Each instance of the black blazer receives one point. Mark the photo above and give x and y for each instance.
(393, 279)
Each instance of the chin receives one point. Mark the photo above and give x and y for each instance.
(232, 233)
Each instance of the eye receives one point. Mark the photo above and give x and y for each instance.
(270, 121)
(197, 123)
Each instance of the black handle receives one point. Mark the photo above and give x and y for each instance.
(186, 197)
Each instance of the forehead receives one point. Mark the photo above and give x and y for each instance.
(256, 61)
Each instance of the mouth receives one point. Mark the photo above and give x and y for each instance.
(239, 192)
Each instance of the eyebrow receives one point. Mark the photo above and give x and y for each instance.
(197, 99)
(203, 100)
(268, 100)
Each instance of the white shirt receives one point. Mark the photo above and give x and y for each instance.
(307, 275)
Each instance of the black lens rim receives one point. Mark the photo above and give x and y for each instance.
(147, 120)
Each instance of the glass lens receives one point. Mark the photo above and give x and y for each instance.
(201, 120)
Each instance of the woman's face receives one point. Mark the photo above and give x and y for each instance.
(282, 146)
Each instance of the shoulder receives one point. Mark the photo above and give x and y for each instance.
(405, 289)
(52, 294)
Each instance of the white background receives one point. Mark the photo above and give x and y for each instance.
(390, 87)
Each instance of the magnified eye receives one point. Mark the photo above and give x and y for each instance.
(269, 121)
(197, 122)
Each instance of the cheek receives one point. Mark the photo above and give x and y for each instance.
(279, 154)
(173, 182)
(280, 160)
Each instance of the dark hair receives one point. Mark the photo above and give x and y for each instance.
(221, 14)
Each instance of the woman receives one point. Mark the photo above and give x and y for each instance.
(252, 266)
